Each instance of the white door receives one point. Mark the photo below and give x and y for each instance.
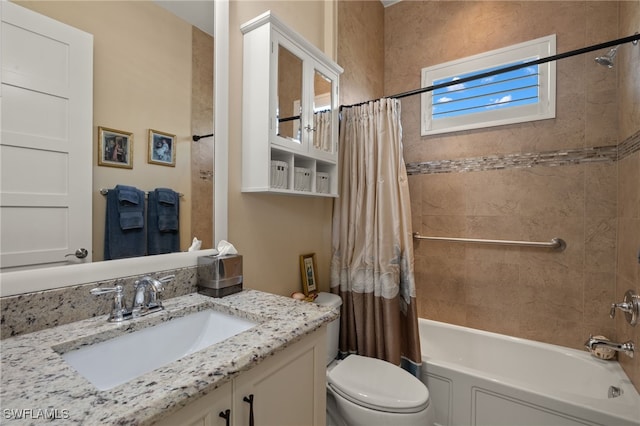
(46, 109)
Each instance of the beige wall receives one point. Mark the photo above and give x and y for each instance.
(552, 297)
(628, 270)
(142, 81)
(272, 231)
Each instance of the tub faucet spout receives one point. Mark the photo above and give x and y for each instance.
(628, 348)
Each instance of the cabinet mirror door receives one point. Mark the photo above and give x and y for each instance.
(289, 102)
(322, 112)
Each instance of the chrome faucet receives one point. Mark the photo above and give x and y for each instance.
(627, 348)
(146, 298)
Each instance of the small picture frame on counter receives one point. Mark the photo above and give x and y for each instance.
(308, 273)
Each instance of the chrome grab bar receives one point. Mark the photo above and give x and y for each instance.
(555, 243)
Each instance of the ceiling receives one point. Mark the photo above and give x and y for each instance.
(198, 13)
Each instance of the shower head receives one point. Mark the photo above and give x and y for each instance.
(607, 60)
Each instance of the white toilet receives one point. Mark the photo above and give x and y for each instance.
(368, 391)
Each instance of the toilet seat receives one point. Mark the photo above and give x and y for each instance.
(378, 385)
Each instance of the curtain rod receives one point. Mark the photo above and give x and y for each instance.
(196, 138)
(588, 49)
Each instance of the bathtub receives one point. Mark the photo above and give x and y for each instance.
(480, 378)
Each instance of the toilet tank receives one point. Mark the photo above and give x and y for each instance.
(333, 328)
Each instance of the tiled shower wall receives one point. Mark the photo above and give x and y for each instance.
(532, 293)
(490, 183)
(539, 294)
(202, 124)
(478, 183)
(361, 50)
(628, 254)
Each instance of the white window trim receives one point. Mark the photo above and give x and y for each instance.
(546, 107)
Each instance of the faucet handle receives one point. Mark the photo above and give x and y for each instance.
(119, 310)
(158, 284)
(630, 306)
(105, 290)
(167, 278)
(614, 306)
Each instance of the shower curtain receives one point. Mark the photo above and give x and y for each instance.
(372, 261)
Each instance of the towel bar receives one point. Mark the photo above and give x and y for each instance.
(105, 191)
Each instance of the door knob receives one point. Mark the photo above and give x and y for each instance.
(81, 253)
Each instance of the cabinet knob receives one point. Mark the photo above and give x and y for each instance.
(310, 129)
(249, 400)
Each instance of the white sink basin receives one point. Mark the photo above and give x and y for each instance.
(114, 362)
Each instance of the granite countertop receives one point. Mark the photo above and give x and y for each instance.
(35, 377)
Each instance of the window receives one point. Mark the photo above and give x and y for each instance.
(524, 94)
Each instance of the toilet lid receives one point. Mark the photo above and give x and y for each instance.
(378, 385)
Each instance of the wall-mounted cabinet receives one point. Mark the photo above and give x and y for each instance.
(289, 112)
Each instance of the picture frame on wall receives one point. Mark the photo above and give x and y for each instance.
(162, 148)
(115, 148)
(308, 274)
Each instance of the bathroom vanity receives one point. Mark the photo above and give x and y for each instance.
(273, 371)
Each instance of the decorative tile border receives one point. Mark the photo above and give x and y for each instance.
(609, 153)
(515, 161)
(629, 146)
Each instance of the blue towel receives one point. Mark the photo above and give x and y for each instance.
(163, 219)
(124, 233)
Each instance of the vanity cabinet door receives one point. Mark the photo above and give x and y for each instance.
(286, 389)
(204, 411)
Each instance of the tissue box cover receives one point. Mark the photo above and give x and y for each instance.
(219, 276)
